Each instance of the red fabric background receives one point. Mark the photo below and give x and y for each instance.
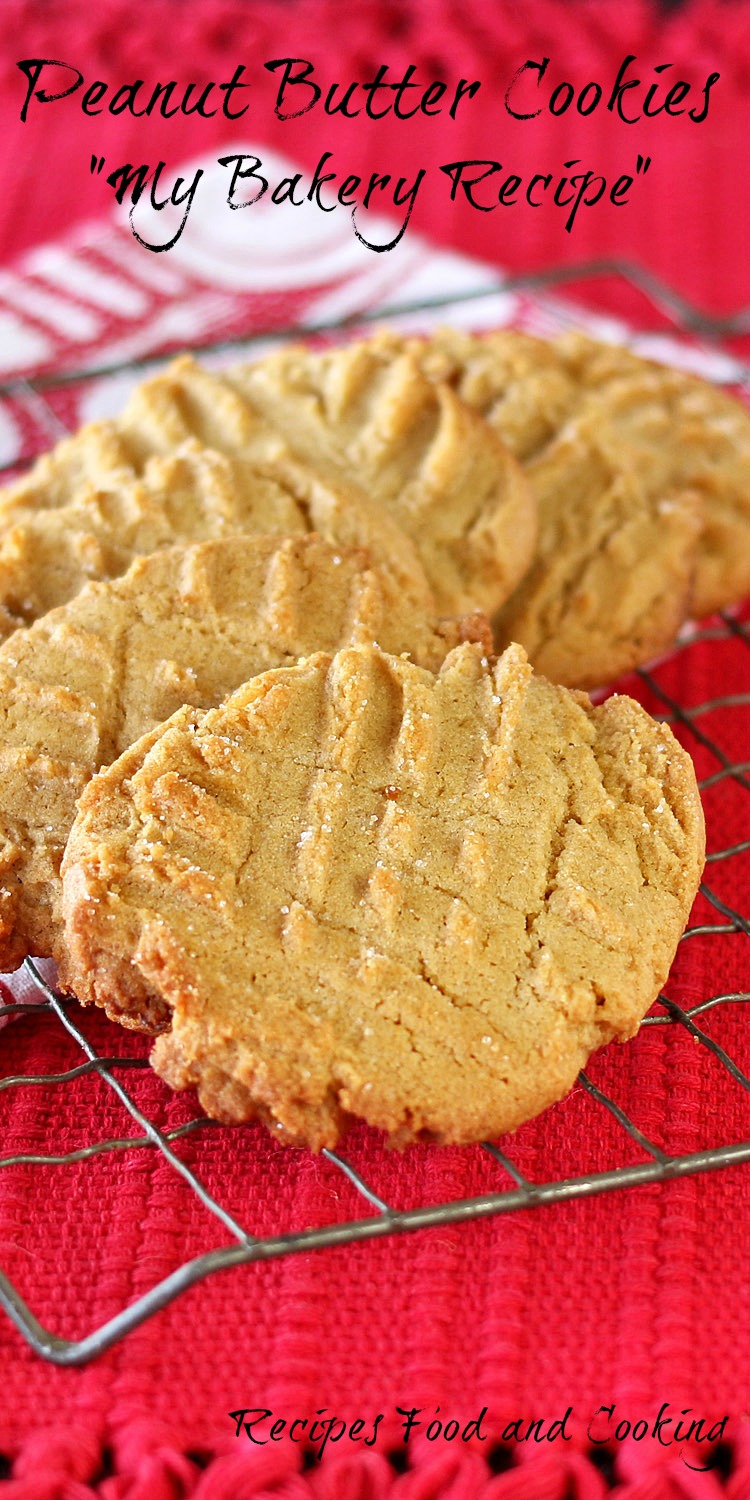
(637, 1298)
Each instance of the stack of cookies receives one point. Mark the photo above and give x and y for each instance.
(280, 784)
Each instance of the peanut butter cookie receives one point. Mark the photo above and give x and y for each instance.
(677, 446)
(678, 432)
(186, 625)
(366, 412)
(188, 460)
(360, 889)
(611, 581)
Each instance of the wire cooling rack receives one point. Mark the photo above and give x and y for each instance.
(507, 1187)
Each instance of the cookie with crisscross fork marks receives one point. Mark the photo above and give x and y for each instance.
(663, 529)
(365, 411)
(679, 434)
(186, 625)
(611, 581)
(357, 888)
(389, 462)
(109, 495)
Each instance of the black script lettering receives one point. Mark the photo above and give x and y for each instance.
(620, 88)
(557, 1429)
(619, 190)
(330, 106)
(291, 80)
(660, 1425)
(474, 1429)
(258, 1414)
(227, 89)
(541, 69)
(32, 67)
(412, 1419)
(175, 198)
(455, 170)
(464, 88)
(370, 1441)
(93, 94)
(331, 1435)
(242, 174)
(654, 89)
(700, 116)
(677, 93)
(585, 179)
(610, 1410)
(319, 177)
(401, 195)
(512, 1433)
(284, 191)
(538, 177)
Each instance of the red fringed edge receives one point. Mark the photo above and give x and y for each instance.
(142, 1462)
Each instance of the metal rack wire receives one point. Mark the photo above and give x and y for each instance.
(513, 1189)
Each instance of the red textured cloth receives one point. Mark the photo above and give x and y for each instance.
(637, 1298)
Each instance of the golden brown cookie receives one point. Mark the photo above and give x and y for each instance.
(611, 581)
(520, 384)
(121, 489)
(419, 479)
(366, 412)
(679, 432)
(186, 625)
(361, 889)
(679, 444)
